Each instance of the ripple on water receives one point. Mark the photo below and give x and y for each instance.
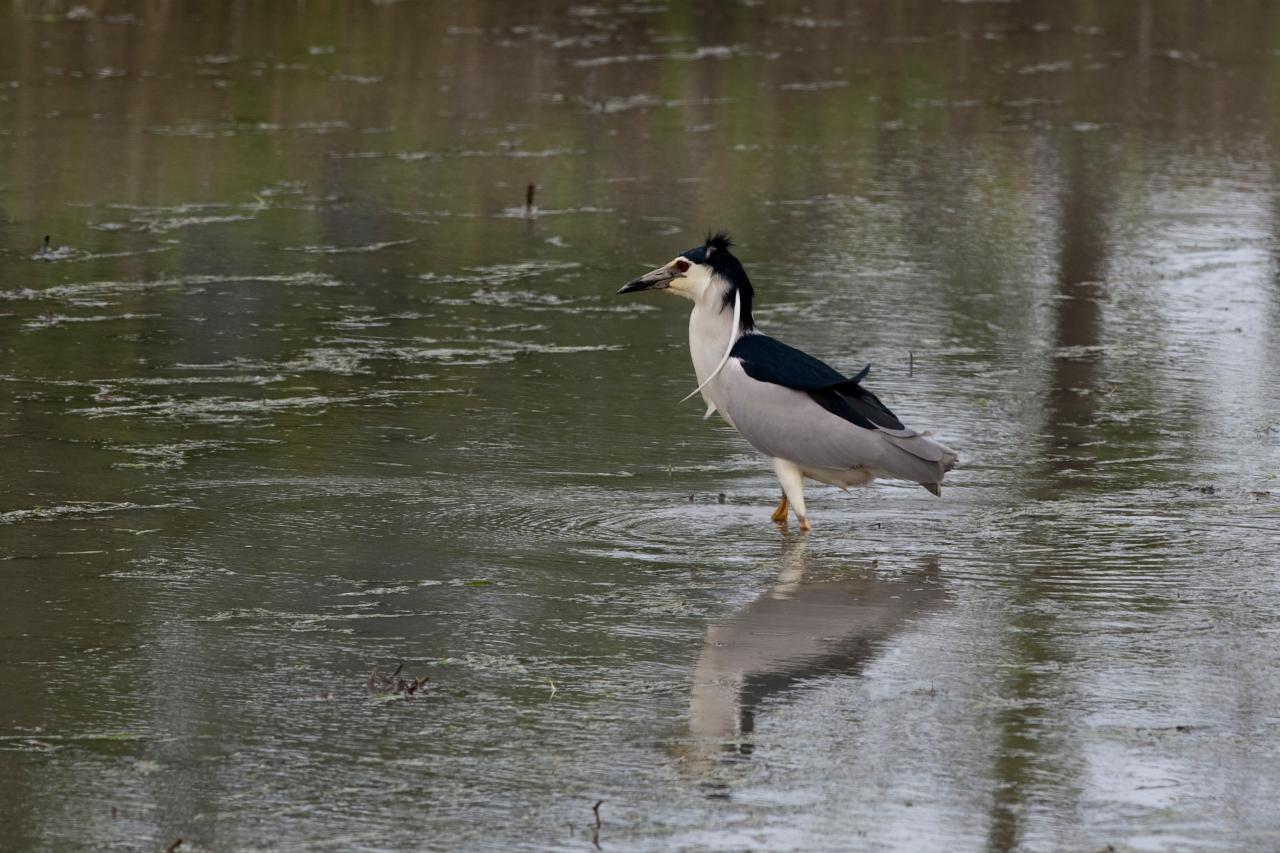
(209, 130)
(109, 386)
(50, 321)
(350, 356)
(635, 520)
(77, 509)
(357, 322)
(466, 153)
(186, 283)
(1123, 550)
(69, 253)
(166, 456)
(501, 273)
(300, 620)
(230, 410)
(701, 53)
(365, 248)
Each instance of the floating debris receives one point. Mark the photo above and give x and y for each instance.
(394, 683)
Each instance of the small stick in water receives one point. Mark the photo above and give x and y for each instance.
(394, 683)
(528, 201)
(911, 363)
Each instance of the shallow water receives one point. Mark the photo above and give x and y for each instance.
(295, 388)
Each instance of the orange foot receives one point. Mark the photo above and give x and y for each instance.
(780, 514)
(804, 523)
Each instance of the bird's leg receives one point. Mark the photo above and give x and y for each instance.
(780, 514)
(792, 488)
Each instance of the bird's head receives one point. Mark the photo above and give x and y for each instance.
(704, 274)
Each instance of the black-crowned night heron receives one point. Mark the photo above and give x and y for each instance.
(814, 421)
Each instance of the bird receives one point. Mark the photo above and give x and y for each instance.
(812, 420)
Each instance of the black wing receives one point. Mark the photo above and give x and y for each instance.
(767, 360)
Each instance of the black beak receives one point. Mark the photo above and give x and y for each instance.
(656, 280)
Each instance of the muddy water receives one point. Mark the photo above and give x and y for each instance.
(295, 388)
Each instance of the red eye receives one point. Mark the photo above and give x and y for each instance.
(682, 265)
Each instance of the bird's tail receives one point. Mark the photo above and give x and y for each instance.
(917, 458)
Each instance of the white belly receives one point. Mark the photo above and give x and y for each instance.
(842, 478)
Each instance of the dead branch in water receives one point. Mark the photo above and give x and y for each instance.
(394, 683)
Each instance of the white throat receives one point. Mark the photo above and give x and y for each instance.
(734, 325)
(713, 329)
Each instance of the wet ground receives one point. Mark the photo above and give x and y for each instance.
(294, 388)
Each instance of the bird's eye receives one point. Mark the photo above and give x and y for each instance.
(682, 265)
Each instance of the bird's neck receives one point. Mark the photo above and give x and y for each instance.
(711, 332)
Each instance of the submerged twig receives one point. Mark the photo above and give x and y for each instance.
(394, 683)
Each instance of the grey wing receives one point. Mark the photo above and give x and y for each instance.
(789, 424)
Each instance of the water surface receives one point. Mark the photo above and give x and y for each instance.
(295, 388)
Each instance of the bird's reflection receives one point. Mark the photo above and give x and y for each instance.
(807, 624)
